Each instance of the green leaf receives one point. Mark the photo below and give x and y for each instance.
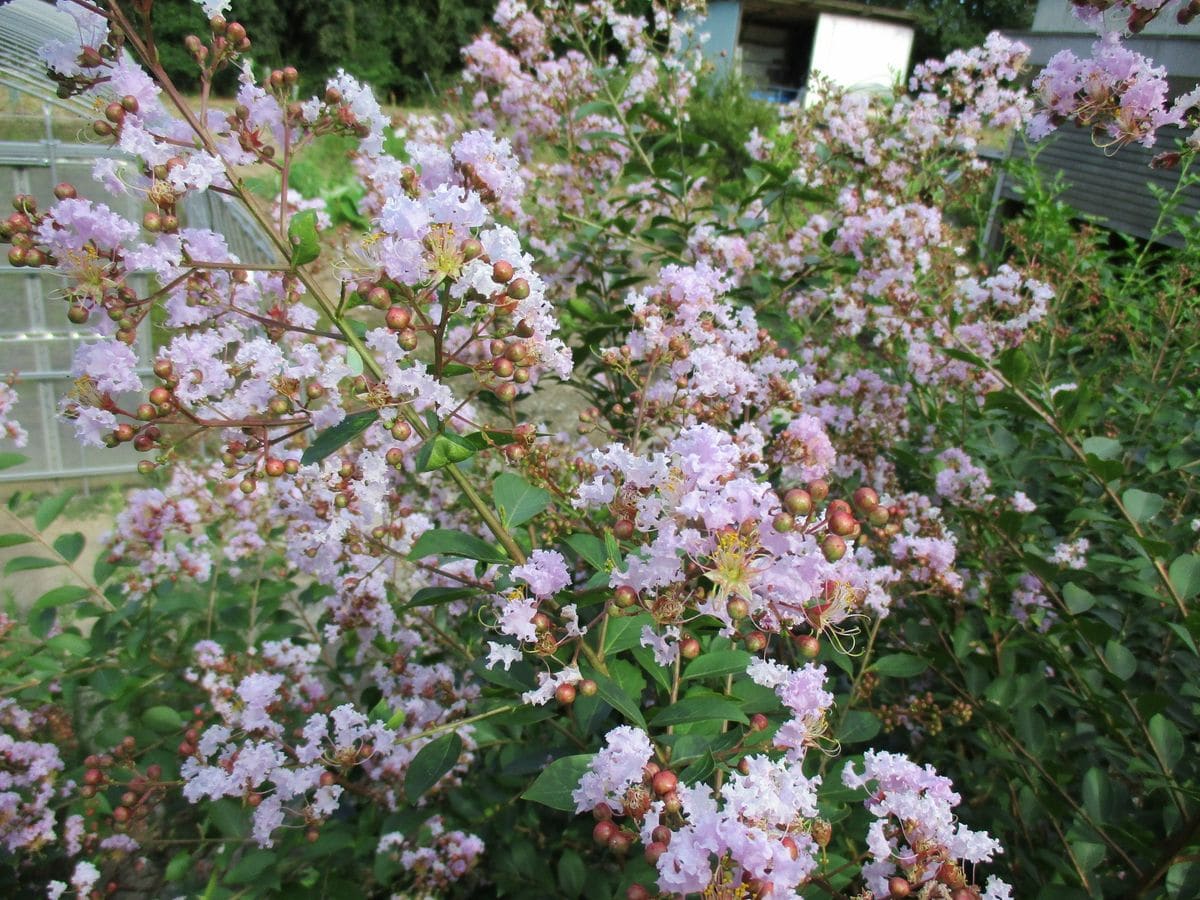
(445, 542)
(12, 539)
(69, 593)
(651, 666)
(1097, 794)
(719, 662)
(700, 709)
(1168, 741)
(432, 761)
(354, 361)
(572, 875)
(28, 563)
(48, 510)
(517, 500)
(250, 866)
(8, 460)
(1182, 633)
(964, 356)
(230, 819)
(1185, 576)
(700, 770)
(558, 781)
(302, 235)
(1142, 506)
(1122, 663)
(436, 596)
(1014, 365)
(858, 726)
(1078, 600)
(162, 719)
(595, 107)
(333, 439)
(442, 450)
(899, 665)
(625, 632)
(180, 865)
(69, 545)
(1102, 447)
(590, 547)
(616, 697)
(68, 642)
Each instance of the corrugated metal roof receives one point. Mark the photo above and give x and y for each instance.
(1114, 189)
(793, 9)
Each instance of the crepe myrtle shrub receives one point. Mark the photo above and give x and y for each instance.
(557, 533)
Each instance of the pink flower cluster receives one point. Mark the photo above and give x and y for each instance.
(915, 831)
(29, 773)
(9, 426)
(442, 858)
(1116, 92)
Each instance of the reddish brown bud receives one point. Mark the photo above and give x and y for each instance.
(502, 272)
(842, 523)
(819, 489)
(518, 288)
(665, 782)
(625, 596)
(565, 694)
(397, 317)
(833, 548)
(798, 502)
(865, 499)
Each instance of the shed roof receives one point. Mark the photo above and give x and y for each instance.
(785, 10)
(1116, 190)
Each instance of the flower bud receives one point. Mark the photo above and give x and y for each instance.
(819, 489)
(798, 502)
(518, 288)
(808, 646)
(502, 272)
(833, 548)
(665, 782)
(756, 641)
(842, 522)
(565, 694)
(397, 317)
(865, 499)
(689, 648)
(653, 851)
(625, 596)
